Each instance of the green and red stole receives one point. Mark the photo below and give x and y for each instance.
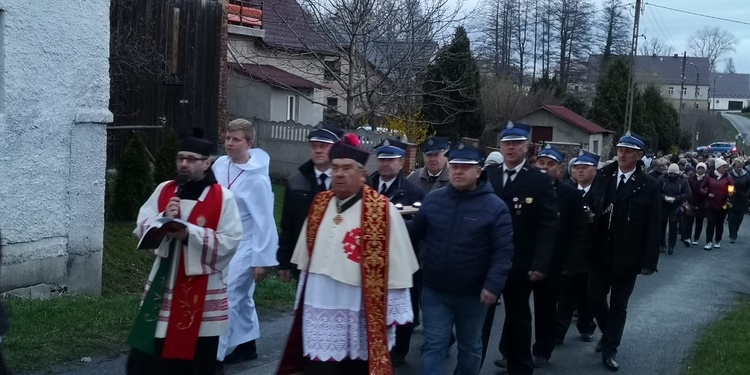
(189, 295)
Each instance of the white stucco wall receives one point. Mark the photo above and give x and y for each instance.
(722, 104)
(53, 143)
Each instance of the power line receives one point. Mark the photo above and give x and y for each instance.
(698, 14)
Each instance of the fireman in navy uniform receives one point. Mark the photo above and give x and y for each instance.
(571, 239)
(434, 174)
(575, 276)
(389, 181)
(625, 240)
(311, 178)
(531, 198)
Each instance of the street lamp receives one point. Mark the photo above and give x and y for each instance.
(697, 78)
(715, 90)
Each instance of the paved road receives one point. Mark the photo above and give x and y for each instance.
(741, 123)
(667, 312)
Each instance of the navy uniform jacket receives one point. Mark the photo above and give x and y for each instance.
(626, 228)
(421, 178)
(301, 188)
(570, 252)
(531, 199)
(401, 190)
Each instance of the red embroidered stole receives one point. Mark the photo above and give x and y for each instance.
(189, 295)
(375, 225)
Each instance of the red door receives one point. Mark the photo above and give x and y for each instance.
(541, 134)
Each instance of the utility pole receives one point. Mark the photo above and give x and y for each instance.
(631, 81)
(682, 85)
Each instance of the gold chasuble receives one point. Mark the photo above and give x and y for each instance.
(374, 271)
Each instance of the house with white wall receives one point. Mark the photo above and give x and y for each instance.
(666, 72)
(729, 92)
(54, 99)
(558, 124)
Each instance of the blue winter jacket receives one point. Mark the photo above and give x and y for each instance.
(469, 240)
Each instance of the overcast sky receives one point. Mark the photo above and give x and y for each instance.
(675, 28)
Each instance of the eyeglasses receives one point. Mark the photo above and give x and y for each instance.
(189, 159)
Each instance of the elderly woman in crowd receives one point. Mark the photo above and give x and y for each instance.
(738, 201)
(715, 188)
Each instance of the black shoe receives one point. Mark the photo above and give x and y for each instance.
(598, 348)
(398, 358)
(686, 242)
(732, 240)
(219, 368)
(243, 352)
(610, 363)
(540, 362)
(587, 337)
(670, 251)
(502, 362)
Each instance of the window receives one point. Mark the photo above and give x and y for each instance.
(291, 108)
(684, 91)
(697, 91)
(333, 104)
(575, 88)
(717, 101)
(671, 90)
(332, 70)
(596, 147)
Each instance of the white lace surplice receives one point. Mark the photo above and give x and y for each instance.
(334, 326)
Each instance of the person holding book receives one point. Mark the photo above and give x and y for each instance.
(184, 307)
(244, 171)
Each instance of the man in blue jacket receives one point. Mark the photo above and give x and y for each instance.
(469, 251)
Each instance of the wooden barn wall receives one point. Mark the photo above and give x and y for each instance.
(165, 70)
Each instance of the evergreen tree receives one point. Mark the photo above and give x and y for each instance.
(165, 168)
(134, 182)
(660, 121)
(452, 101)
(608, 108)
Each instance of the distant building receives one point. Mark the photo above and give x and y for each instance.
(666, 73)
(730, 91)
(552, 123)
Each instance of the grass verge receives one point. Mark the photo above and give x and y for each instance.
(723, 347)
(65, 329)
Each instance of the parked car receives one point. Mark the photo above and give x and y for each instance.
(720, 147)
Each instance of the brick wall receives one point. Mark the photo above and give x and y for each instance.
(410, 160)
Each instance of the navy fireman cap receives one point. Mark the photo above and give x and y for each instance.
(325, 133)
(464, 153)
(631, 140)
(515, 131)
(435, 145)
(390, 149)
(587, 158)
(550, 152)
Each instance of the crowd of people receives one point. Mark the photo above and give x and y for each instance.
(376, 255)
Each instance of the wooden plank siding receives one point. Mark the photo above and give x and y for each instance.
(165, 68)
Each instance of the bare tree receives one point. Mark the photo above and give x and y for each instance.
(655, 47)
(712, 42)
(496, 26)
(372, 54)
(503, 100)
(574, 27)
(729, 68)
(614, 29)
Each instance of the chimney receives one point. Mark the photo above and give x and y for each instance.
(654, 55)
(676, 55)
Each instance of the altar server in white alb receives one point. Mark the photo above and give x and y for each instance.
(244, 171)
(184, 306)
(357, 263)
